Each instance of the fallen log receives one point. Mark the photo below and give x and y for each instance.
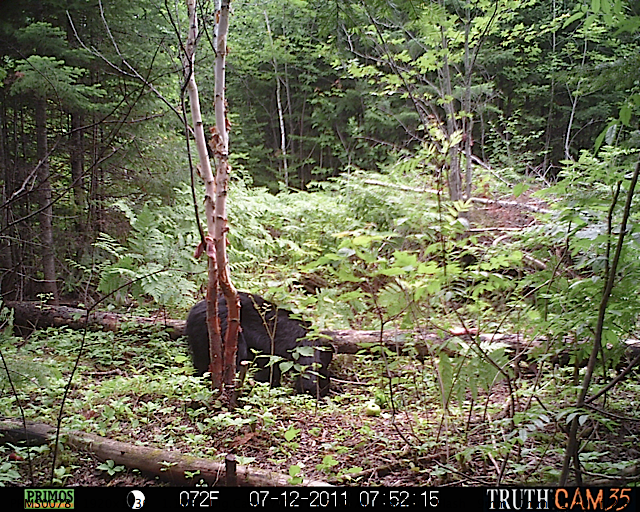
(169, 466)
(480, 200)
(34, 315)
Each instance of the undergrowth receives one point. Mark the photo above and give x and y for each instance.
(488, 397)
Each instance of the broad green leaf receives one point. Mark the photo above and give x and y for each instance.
(291, 434)
(572, 18)
(625, 114)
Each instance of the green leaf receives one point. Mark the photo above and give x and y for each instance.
(294, 470)
(362, 240)
(625, 114)
(305, 351)
(392, 271)
(285, 366)
(329, 461)
(591, 19)
(291, 434)
(519, 189)
(572, 18)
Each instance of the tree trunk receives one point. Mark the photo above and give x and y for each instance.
(574, 97)
(213, 324)
(221, 152)
(467, 121)
(454, 176)
(95, 189)
(546, 162)
(76, 161)
(283, 137)
(45, 196)
(7, 273)
(222, 352)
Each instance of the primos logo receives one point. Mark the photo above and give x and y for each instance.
(48, 498)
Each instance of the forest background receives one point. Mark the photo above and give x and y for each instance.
(360, 133)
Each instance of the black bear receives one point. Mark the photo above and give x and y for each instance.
(266, 330)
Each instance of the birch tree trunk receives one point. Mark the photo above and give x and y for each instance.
(575, 97)
(220, 146)
(283, 139)
(222, 353)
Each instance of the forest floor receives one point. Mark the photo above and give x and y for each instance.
(332, 442)
(135, 387)
(339, 444)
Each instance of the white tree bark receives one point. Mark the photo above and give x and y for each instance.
(196, 114)
(215, 342)
(283, 136)
(220, 145)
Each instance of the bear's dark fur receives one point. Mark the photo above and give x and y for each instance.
(267, 330)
